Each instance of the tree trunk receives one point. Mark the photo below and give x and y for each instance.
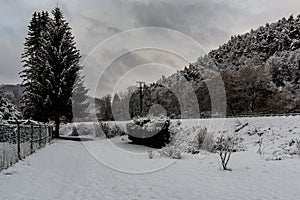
(57, 123)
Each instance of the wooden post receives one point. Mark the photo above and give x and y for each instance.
(50, 132)
(40, 135)
(18, 140)
(44, 134)
(31, 139)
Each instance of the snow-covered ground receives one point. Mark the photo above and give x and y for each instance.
(278, 134)
(65, 170)
(116, 169)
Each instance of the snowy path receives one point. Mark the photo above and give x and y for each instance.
(65, 170)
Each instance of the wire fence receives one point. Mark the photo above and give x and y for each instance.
(19, 139)
(250, 115)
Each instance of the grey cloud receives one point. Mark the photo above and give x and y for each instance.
(202, 20)
(94, 22)
(113, 29)
(98, 28)
(210, 22)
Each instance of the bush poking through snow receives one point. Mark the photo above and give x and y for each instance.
(105, 128)
(171, 152)
(74, 132)
(298, 146)
(81, 129)
(208, 143)
(204, 141)
(149, 131)
(111, 131)
(260, 147)
(200, 137)
(224, 146)
(191, 139)
(150, 154)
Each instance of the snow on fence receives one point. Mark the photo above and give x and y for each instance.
(19, 139)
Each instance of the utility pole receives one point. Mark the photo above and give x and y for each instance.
(141, 86)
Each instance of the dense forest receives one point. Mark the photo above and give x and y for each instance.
(260, 71)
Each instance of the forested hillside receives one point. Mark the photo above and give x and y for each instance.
(260, 71)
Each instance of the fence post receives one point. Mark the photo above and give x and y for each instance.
(44, 134)
(18, 140)
(49, 134)
(40, 135)
(31, 139)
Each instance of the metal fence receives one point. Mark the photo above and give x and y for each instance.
(19, 139)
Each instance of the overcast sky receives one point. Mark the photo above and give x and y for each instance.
(209, 22)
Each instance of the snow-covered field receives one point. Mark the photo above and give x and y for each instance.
(116, 169)
(279, 134)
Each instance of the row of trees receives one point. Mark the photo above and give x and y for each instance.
(51, 71)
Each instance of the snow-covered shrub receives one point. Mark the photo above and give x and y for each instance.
(185, 145)
(224, 146)
(178, 122)
(74, 132)
(200, 137)
(150, 154)
(260, 147)
(252, 131)
(117, 131)
(260, 142)
(78, 128)
(208, 143)
(238, 122)
(99, 131)
(191, 139)
(293, 147)
(149, 131)
(105, 128)
(8, 110)
(171, 151)
(298, 146)
(111, 130)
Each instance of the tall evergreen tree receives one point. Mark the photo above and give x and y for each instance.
(51, 65)
(63, 58)
(35, 71)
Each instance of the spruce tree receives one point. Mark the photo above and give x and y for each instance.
(51, 66)
(35, 68)
(63, 58)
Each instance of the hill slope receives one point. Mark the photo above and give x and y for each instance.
(260, 71)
